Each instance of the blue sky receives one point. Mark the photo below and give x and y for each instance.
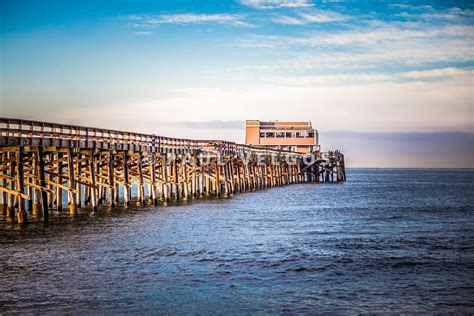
(370, 75)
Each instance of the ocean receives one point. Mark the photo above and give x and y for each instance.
(386, 241)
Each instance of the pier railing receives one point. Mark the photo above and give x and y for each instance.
(18, 132)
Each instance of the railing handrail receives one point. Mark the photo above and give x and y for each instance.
(77, 132)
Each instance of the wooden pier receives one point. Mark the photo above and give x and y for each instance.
(43, 163)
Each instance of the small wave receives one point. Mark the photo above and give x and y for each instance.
(306, 269)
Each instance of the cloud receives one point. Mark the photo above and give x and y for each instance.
(276, 4)
(323, 16)
(188, 18)
(287, 20)
(248, 43)
(443, 73)
(144, 33)
(232, 19)
(367, 47)
(374, 33)
(410, 7)
(329, 80)
(387, 33)
(452, 15)
(315, 16)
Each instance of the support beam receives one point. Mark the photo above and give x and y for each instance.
(164, 166)
(152, 163)
(126, 181)
(217, 182)
(111, 174)
(42, 183)
(71, 183)
(92, 173)
(22, 214)
(59, 191)
(141, 191)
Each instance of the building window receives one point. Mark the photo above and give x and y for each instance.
(311, 134)
(262, 135)
(288, 135)
(270, 135)
(299, 135)
(280, 134)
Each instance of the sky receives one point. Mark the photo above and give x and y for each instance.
(390, 83)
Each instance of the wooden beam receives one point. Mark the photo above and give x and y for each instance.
(71, 183)
(15, 193)
(22, 214)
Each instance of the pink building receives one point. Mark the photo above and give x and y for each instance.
(292, 136)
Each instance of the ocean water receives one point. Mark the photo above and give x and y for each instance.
(396, 241)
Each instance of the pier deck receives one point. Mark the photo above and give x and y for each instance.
(40, 161)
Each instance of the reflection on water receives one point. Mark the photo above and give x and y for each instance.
(386, 241)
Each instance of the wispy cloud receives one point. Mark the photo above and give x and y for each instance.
(410, 7)
(188, 18)
(443, 73)
(144, 33)
(252, 43)
(384, 32)
(315, 16)
(233, 19)
(288, 20)
(329, 80)
(368, 47)
(323, 16)
(276, 4)
(452, 15)
(459, 75)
